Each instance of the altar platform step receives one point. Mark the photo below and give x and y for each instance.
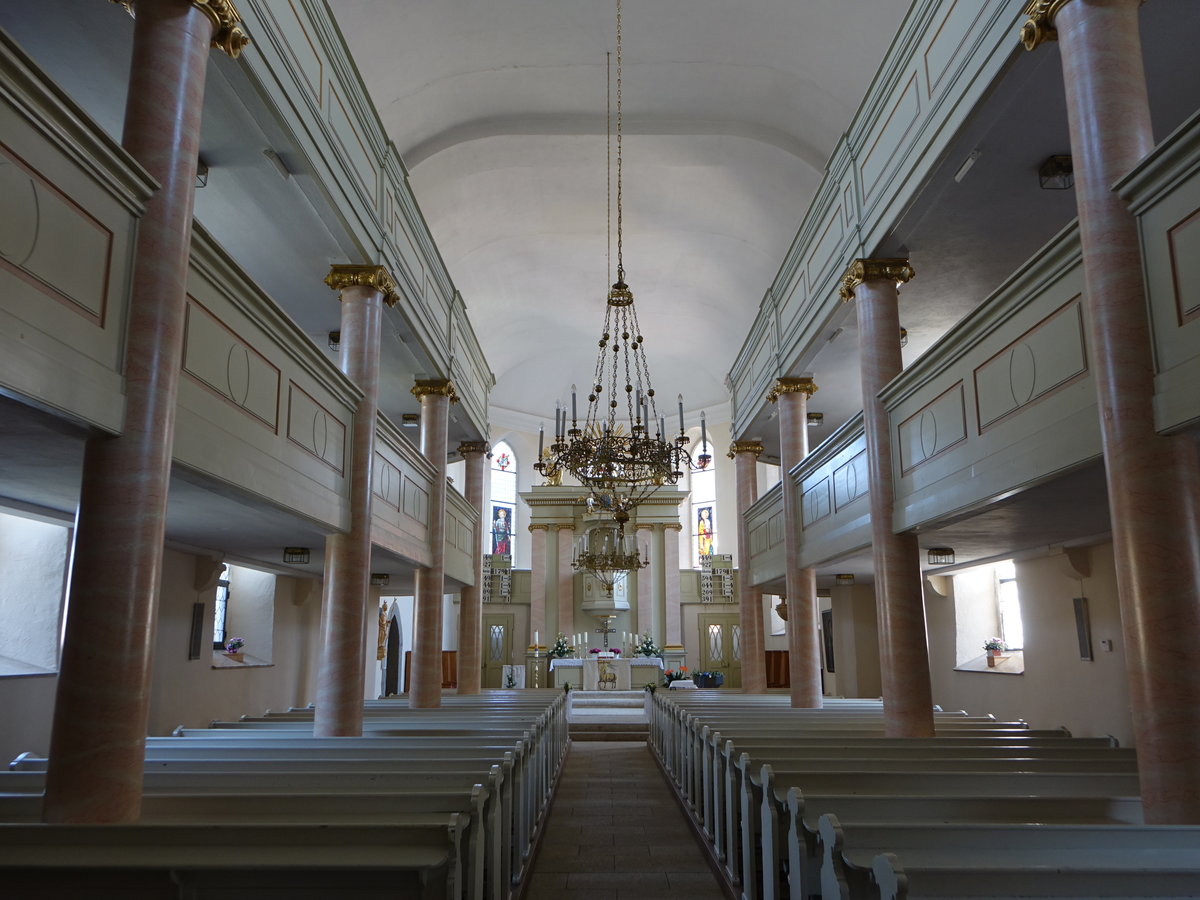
(608, 700)
(609, 731)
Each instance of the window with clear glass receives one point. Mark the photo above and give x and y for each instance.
(221, 612)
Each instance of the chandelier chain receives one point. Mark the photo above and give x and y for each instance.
(620, 262)
(608, 160)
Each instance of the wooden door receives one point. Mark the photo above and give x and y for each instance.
(497, 648)
(721, 646)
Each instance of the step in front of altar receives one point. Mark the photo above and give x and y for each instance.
(608, 700)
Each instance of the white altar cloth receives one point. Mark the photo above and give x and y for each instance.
(589, 677)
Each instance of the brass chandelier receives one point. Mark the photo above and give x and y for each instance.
(606, 555)
(621, 450)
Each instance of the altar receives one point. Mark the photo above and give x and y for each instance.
(633, 673)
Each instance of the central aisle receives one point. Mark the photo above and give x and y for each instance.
(615, 832)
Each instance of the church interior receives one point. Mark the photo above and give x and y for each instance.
(300, 433)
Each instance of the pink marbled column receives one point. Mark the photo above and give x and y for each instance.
(537, 581)
(754, 654)
(470, 611)
(645, 583)
(1153, 479)
(426, 681)
(804, 650)
(671, 612)
(339, 705)
(566, 581)
(899, 593)
(97, 742)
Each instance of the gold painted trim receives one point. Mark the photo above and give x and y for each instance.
(737, 447)
(540, 526)
(465, 447)
(434, 386)
(791, 386)
(1039, 28)
(672, 526)
(227, 33)
(897, 270)
(341, 277)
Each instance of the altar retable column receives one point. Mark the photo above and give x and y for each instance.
(566, 582)
(645, 583)
(899, 590)
(754, 654)
(672, 614)
(659, 583)
(475, 455)
(339, 709)
(804, 649)
(102, 706)
(1153, 479)
(435, 395)
(537, 580)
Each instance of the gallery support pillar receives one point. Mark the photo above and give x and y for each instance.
(645, 581)
(470, 602)
(899, 590)
(804, 649)
(672, 615)
(435, 395)
(754, 651)
(97, 741)
(1153, 479)
(339, 707)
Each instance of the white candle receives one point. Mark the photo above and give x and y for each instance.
(541, 437)
(703, 433)
(535, 639)
(574, 415)
(681, 413)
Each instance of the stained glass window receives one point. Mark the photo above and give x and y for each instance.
(704, 507)
(503, 506)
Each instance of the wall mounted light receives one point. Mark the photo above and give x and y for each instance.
(816, 419)
(201, 174)
(297, 555)
(335, 340)
(1057, 173)
(380, 579)
(903, 337)
(844, 579)
(940, 556)
(410, 420)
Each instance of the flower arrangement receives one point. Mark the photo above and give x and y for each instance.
(680, 674)
(562, 647)
(235, 644)
(616, 650)
(994, 643)
(647, 647)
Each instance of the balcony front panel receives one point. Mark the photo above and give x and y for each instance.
(70, 200)
(834, 505)
(1164, 192)
(1005, 400)
(403, 479)
(260, 407)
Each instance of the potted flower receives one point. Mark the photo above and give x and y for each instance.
(680, 674)
(994, 647)
(709, 679)
(647, 647)
(562, 647)
(233, 649)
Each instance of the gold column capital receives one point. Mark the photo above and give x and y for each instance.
(341, 277)
(465, 447)
(539, 526)
(1039, 27)
(227, 32)
(426, 387)
(672, 526)
(791, 386)
(893, 269)
(737, 447)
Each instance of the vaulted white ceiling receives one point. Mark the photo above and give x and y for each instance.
(730, 111)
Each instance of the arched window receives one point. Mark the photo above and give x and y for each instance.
(503, 505)
(704, 506)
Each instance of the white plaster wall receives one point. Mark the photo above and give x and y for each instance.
(251, 610)
(33, 565)
(1057, 688)
(977, 619)
(856, 641)
(192, 692)
(26, 709)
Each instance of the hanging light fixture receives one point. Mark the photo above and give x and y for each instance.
(620, 450)
(608, 553)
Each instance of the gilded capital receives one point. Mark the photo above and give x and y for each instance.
(897, 270)
(791, 386)
(540, 526)
(737, 447)
(426, 387)
(343, 276)
(465, 447)
(227, 32)
(1039, 27)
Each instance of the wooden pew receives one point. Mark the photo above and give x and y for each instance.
(909, 861)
